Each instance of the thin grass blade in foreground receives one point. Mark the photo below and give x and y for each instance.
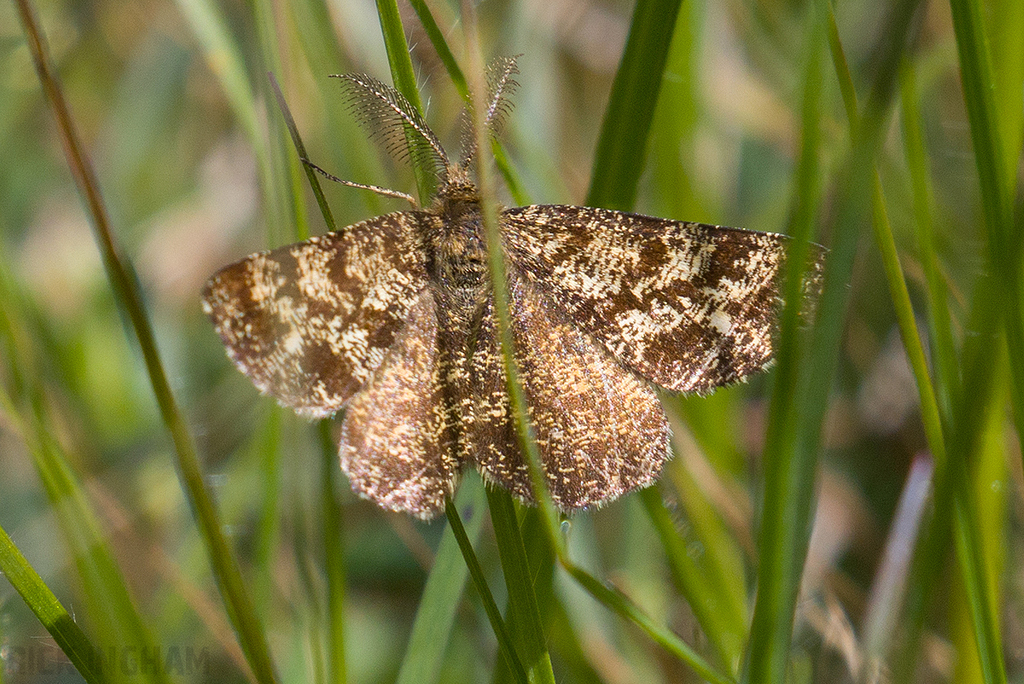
(508, 652)
(54, 617)
(789, 479)
(442, 594)
(404, 78)
(619, 158)
(402, 74)
(334, 564)
(967, 533)
(522, 615)
(105, 589)
(126, 292)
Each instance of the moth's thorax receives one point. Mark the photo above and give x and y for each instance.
(458, 266)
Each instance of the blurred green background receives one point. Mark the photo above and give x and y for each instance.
(196, 169)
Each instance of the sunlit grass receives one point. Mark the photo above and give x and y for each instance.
(854, 134)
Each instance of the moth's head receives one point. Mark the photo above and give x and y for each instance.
(457, 186)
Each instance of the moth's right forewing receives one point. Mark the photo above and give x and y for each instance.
(310, 322)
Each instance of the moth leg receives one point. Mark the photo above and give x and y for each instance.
(396, 446)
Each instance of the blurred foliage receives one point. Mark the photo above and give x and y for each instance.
(192, 182)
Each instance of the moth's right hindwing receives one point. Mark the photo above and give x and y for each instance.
(309, 323)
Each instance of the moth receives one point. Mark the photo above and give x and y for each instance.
(392, 320)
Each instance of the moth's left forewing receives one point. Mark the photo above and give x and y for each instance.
(687, 306)
(309, 323)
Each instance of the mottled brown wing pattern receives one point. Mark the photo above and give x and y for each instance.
(600, 430)
(397, 440)
(687, 306)
(309, 323)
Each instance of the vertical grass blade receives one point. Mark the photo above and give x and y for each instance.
(940, 326)
(789, 473)
(505, 645)
(886, 246)
(619, 158)
(800, 397)
(334, 566)
(53, 616)
(126, 292)
(997, 181)
(404, 78)
(523, 617)
(435, 615)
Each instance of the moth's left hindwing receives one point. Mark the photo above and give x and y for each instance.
(310, 322)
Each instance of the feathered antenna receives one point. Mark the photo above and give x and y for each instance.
(393, 122)
(501, 85)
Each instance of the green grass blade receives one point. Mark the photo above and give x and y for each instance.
(982, 343)
(940, 326)
(970, 563)
(788, 477)
(225, 60)
(404, 78)
(105, 588)
(800, 396)
(619, 603)
(444, 52)
(708, 599)
(886, 246)
(523, 614)
(334, 566)
(53, 616)
(285, 206)
(435, 615)
(300, 149)
(505, 645)
(126, 292)
(619, 158)
(997, 181)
